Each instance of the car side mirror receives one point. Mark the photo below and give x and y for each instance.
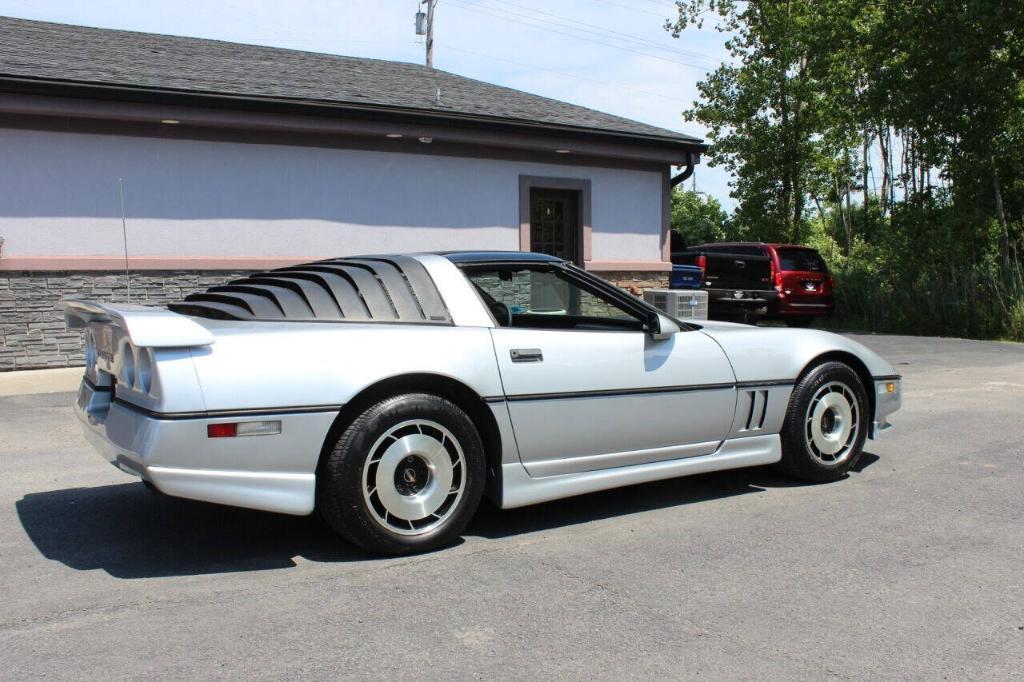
(661, 327)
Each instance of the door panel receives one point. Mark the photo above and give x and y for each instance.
(599, 399)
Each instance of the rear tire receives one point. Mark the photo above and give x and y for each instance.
(826, 424)
(406, 476)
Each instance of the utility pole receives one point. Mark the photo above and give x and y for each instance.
(431, 4)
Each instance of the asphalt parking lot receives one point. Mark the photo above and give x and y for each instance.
(912, 567)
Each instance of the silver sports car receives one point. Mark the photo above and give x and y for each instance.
(392, 392)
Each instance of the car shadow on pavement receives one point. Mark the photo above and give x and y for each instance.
(130, 532)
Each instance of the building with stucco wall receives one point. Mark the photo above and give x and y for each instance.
(234, 158)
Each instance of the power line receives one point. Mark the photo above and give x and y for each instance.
(525, 22)
(635, 9)
(573, 24)
(574, 76)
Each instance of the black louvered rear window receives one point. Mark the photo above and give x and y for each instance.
(364, 289)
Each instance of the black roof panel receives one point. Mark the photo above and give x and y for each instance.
(498, 256)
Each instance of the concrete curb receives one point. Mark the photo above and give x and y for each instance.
(28, 381)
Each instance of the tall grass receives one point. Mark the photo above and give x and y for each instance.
(927, 268)
(981, 301)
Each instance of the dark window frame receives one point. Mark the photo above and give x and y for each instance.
(580, 185)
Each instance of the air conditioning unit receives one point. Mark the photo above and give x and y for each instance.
(682, 304)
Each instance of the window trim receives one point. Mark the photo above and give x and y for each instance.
(580, 185)
(635, 308)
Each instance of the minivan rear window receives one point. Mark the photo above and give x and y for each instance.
(806, 260)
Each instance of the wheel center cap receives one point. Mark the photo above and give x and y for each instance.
(411, 476)
(830, 422)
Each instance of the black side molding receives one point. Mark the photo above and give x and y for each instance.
(218, 414)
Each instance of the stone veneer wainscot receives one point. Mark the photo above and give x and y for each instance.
(32, 331)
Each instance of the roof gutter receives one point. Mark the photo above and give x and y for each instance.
(682, 177)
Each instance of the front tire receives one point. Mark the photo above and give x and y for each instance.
(406, 476)
(826, 424)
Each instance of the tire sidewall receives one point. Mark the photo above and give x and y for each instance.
(797, 457)
(341, 490)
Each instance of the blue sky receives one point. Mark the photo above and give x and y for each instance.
(610, 55)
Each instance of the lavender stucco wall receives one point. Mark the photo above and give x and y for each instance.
(208, 198)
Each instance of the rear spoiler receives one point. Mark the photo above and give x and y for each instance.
(145, 326)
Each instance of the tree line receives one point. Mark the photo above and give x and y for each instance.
(887, 133)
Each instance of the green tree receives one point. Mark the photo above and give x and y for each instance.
(886, 133)
(760, 110)
(699, 218)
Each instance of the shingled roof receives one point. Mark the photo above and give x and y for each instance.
(43, 52)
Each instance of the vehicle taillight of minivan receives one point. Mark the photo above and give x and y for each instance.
(702, 263)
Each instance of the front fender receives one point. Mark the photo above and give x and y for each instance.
(778, 353)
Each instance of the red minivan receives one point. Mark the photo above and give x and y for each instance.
(800, 277)
(804, 284)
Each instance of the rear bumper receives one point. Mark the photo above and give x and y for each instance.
(272, 473)
(786, 308)
(748, 301)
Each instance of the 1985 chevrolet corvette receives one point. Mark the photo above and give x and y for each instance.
(392, 392)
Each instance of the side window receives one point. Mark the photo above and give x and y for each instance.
(543, 298)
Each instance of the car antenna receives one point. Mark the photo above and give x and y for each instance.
(124, 236)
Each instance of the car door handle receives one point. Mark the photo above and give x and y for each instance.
(526, 355)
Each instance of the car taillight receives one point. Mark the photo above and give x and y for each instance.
(778, 282)
(831, 283)
(235, 429)
(229, 430)
(702, 263)
(126, 372)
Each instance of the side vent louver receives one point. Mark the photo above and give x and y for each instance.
(758, 408)
(367, 289)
